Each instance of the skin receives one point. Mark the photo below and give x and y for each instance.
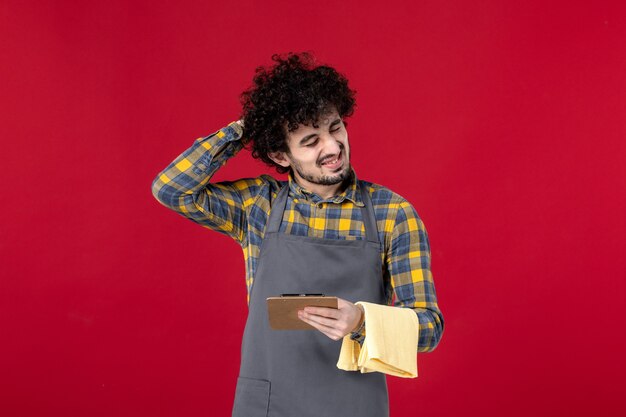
(334, 323)
(326, 142)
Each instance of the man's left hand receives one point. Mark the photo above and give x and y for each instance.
(334, 323)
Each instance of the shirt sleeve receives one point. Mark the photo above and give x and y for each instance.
(410, 275)
(183, 186)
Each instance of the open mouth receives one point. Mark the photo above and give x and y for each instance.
(334, 163)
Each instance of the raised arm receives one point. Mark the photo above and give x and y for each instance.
(183, 186)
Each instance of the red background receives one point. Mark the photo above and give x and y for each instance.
(502, 122)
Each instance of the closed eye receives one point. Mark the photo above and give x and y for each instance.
(333, 128)
(335, 125)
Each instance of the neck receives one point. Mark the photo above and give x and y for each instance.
(324, 191)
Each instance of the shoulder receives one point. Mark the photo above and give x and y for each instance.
(273, 185)
(260, 181)
(393, 209)
(265, 188)
(251, 189)
(384, 197)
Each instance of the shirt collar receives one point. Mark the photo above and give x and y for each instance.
(350, 192)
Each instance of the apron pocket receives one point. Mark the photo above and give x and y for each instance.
(252, 398)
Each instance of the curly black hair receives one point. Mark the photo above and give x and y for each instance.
(295, 90)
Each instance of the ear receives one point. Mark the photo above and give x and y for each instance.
(280, 158)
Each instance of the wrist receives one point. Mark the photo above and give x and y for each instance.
(237, 130)
(361, 323)
(358, 334)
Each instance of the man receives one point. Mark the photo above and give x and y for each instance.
(322, 231)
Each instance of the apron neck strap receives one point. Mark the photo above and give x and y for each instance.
(277, 210)
(369, 218)
(367, 212)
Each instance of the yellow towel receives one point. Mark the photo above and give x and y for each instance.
(390, 344)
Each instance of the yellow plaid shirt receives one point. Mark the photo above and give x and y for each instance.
(240, 209)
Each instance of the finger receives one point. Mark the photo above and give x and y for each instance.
(340, 327)
(320, 326)
(329, 322)
(327, 331)
(323, 311)
(342, 303)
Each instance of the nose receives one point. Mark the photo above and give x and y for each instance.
(332, 146)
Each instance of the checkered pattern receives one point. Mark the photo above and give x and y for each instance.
(240, 209)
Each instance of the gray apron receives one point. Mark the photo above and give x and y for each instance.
(288, 373)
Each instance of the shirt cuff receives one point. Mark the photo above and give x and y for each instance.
(234, 131)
